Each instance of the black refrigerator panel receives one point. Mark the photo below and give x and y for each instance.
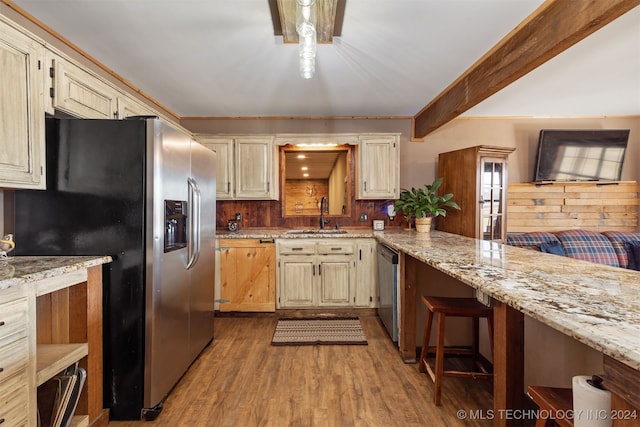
(95, 205)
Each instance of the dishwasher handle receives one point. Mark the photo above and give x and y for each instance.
(388, 253)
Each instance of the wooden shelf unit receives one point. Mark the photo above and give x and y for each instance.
(53, 358)
(477, 177)
(68, 329)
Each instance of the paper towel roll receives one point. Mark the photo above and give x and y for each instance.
(591, 405)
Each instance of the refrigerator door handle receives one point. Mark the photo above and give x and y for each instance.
(193, 246)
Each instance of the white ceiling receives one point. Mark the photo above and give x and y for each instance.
(221, 59)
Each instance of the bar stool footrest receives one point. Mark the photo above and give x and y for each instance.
(552, 401)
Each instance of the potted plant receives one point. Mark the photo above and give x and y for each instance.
(424, 204)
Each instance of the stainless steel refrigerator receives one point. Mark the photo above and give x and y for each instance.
(143, 192)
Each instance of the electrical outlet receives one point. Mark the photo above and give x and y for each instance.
(483, 298)
(364, 217)
(238, 217)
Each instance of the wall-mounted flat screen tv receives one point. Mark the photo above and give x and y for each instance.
(581, 155)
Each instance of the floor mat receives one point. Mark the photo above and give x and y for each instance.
(319, 331)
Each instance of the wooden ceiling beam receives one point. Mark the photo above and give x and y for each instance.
(329, 17)
(554, 27)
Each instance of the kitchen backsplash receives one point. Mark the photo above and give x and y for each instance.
(268, 213)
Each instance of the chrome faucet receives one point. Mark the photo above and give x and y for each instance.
(324, 207)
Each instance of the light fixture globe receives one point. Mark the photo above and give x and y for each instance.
(305, 26)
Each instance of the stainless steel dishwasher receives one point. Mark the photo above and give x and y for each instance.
(387, 286)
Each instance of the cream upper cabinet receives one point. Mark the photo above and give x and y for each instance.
(224, 164)
(128, 107)
(246, 166)
(22, 141)
(256, 174)
(80, 93)
(76, 91)
(378, 167)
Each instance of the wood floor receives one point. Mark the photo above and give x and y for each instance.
(241, 380)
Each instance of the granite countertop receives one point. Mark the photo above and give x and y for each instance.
(596, 304)
(285, 233)
(19, 270)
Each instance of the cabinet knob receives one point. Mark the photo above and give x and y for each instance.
(1, 322)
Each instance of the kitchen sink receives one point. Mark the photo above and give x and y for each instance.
(316, 231)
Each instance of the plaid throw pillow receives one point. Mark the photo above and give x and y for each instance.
(618, 239)
(552, 247)
(588, 246)
(531, 240)
(633, 252)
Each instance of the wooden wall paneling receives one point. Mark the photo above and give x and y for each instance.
(561, 206)
(43, 320)
(302, 197)
(77, 313)
(52, 322)
(60, 319)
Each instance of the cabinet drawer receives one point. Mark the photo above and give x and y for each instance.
(340, 247)
(13, 358)
(14, 400)
(11, 294)
(13, 320)
(298, 248)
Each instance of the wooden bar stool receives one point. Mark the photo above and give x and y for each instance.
(552, 401)
(453, 307)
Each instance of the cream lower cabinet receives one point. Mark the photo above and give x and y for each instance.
(45, 326)
(366, 271)
(15, 379)
(297, 283)
(247, 275)
(22, 145)
(315, 273)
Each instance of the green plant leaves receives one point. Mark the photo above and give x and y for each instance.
(423, 202)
